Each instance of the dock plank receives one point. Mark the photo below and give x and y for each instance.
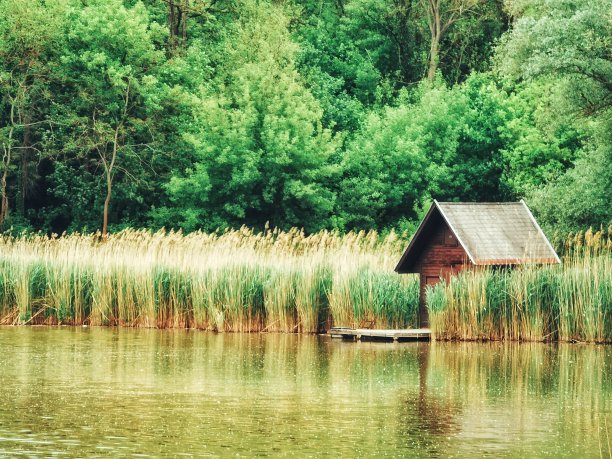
(367, 333)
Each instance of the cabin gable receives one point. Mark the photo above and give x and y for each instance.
(442, 255)
(434, 247)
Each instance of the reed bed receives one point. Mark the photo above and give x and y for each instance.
(567, 302)
(232, 281)
(291, 282)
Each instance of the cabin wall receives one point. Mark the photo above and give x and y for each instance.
(442, 257)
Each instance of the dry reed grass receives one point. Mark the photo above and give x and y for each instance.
(567, 302)
(290, 282)
(234, 281)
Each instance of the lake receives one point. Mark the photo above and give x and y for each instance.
(138, 392)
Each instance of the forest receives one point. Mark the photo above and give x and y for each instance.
(322, 115)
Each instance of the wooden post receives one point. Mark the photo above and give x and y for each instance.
(423, 312)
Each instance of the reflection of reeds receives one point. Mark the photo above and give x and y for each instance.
(236, 281)
(421, 400)
(525, 377)
(570, 302)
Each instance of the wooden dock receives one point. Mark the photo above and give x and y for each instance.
(362, 334)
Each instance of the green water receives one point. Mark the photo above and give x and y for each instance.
(107, 392)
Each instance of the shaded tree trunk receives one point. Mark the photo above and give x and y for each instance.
(24, 168)
(436, 30)
(109, 169)
(442, 14)
(4, 205)
(7, 151)
(177, 24)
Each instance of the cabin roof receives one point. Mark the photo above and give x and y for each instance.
(491, 233)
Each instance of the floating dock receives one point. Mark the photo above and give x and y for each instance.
(362, 334)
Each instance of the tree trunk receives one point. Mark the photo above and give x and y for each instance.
(434, 52)
(4, 199)
(6, 162)
(25, 159)
(109, 189)
(184, 23)
(435, 27)
(108, 168)
(171, 28)
(177, 24)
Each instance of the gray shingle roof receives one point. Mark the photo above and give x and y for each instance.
(498, 233)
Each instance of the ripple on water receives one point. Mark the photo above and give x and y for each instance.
(137, 393)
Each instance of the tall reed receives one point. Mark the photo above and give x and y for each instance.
(233, 281)
(287, 281)
(567, 302)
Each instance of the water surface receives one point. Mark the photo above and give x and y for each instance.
(121, 392)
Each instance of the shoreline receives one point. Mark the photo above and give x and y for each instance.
(325, 334)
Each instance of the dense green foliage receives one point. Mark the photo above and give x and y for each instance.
(344, 114)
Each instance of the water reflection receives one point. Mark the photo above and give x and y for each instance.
(427, 418)
(95, 391)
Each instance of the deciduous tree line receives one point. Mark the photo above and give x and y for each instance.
(341, 114)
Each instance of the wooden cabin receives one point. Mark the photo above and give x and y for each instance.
(455, 236)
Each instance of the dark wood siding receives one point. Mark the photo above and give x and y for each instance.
(441, 257)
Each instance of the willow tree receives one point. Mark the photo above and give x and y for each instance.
(567, 43)
(566, 39)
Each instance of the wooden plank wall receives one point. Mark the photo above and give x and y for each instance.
(442, 257)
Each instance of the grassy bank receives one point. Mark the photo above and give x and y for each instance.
(235, 281)
(289, 282)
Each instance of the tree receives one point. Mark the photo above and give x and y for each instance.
(263, 155)
(217, 113)
(387, 33)
(400, 159)
(566, 39)
(178, 14)
(567, 45)
(441, 15)
(540, 141)
(578, 199)
(438, 143)
(113, 52)
(30, 35)
(468, 45)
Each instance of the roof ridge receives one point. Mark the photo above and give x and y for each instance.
(480, 203)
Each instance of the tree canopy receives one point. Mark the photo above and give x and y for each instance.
(343, 114)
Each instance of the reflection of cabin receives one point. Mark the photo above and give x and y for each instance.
(456, 235)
